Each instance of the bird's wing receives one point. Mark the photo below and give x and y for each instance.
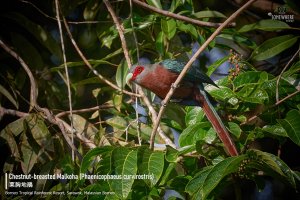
(193, 75)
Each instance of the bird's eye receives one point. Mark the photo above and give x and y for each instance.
(139, 69)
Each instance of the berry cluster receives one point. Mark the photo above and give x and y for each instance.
(236, 65)
(245, 170)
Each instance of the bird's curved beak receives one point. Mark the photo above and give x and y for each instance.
(128, 78)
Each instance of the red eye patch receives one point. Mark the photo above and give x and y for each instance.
(137, 71)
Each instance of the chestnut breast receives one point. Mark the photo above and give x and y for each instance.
(160, 81)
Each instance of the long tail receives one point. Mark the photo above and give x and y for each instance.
(215, 120)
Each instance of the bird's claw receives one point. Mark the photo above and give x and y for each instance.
(163, 103)
(174, 86)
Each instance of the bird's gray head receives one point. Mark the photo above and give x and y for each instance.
(137, 72)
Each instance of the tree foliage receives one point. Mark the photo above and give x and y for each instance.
(258, 99)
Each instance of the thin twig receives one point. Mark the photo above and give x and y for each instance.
(272, 106)
(66, 71)
(153, 112)
(188, 66)
(137, 119)
(138, 57)
(120, 29)
(84, 110)
(140, 91)
(285, 98)
(280, 75)
(6, 111)
(134, 34)
(179, 17)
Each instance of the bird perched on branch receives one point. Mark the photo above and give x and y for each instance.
(159, 78)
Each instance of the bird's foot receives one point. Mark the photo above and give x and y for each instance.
(163, 103)
(174, 86)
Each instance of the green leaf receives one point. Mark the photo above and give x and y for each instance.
(271, 165)
(8, 96)
(173, 154)
(291, 124)
(273, 46)
(253, 93)
(207, 180)
(235, 129)
(8, 134)
(195, 186)
(88, 130)
(285, 88)
(293, 69)
(175, 112)
(117, 101)
(215, 65)
(155, 3)
(108, 40)
(35, 139)
(83, 127)
(150, 163)
(187, 28)
(124, 165)
(276, 129)
(209, 14)
(91, 10)
(89, 157)
(195, 132)
(159, 43)
(194, 114)
(265, 25)
(120, 124)
(168, 27)
(222, 93)
(246, 78)
(240, 39)
(121, 74)
(167, 175)
(45, 169)
(178, 184)
(175, 4)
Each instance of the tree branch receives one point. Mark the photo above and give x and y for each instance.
(84, 110)
(66, 70)
(188, 66)
(6, 111)
(140, 91)
(179, 17)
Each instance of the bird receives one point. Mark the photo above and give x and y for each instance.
(159, 78)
